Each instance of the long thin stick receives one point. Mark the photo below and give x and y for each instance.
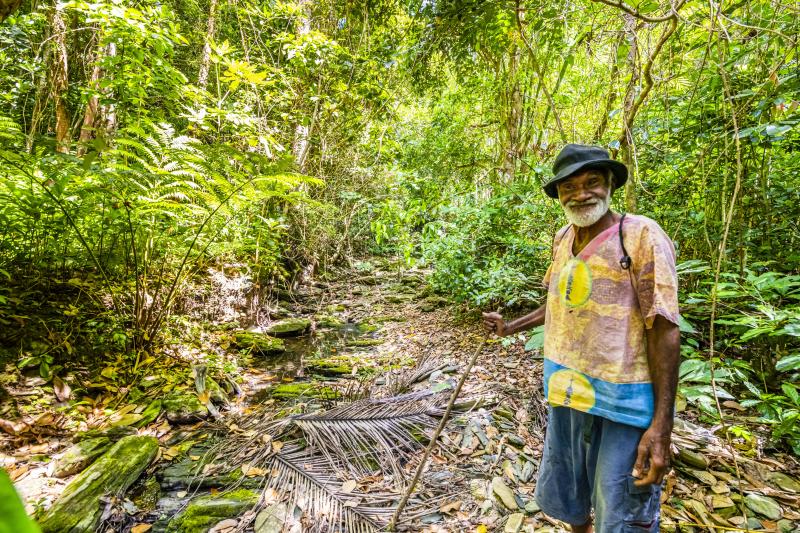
(436, 434)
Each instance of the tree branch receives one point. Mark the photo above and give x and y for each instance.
(635, 13)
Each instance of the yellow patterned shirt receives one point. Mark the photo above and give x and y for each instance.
(595, 346)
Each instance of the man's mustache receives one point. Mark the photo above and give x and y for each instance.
(575, 203)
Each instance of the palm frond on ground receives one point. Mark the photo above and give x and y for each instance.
(314, 486)
(370, 435)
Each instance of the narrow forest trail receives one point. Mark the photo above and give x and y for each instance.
(376, 335)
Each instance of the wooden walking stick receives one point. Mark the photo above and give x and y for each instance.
(435, 437)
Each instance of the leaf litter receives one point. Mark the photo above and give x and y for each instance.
(344, 463)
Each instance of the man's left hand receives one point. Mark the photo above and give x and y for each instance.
(652, 459)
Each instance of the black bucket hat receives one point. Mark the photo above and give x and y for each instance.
(576, 157)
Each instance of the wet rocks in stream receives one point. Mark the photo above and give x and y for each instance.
(258, 343)
(204, 512)
(289, 327)
(184, 408)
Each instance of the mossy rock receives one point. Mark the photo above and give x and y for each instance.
(258, 343)
(364, 342)
(187, 474)
(289, 327)
(328, 321)
(381, 319)
(366, 327)
(113, 434)
(329, 367)
(78, 509)
(399, 298)
(206, 511)
(80, 455)
(432, 303)
(184, 408)
(290, 391)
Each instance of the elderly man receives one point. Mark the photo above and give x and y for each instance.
(611, 353)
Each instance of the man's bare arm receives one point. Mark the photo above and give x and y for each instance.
(663, 358)
(494, 322)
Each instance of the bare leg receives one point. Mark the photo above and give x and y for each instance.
(585, 528)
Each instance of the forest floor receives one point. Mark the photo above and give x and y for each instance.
(370, 332)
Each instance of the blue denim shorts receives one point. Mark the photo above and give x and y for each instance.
(587, 464)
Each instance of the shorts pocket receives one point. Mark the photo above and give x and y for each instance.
(642, 509)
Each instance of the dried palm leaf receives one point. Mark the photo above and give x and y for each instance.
(315, 488)
(371, 435)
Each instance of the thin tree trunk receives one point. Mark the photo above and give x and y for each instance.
(59, 80)
(612, 90)
(98, 118)
(301, 131)
(205, 61)
(626, 139)
(42, 94)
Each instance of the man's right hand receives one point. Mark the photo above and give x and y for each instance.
(494, 323)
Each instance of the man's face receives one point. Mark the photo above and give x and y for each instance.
(585, 196)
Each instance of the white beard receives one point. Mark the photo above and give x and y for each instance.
(586, 217)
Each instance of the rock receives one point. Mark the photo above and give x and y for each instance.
(289, 327)
(532, 507)
(113, 434)
(527, 472)
(187, 474)
(184, 408)
(514, 523)
(78, 509)
(329, 367)
(477, 487)
(206, 511)
(366, 327)
(258, 343)
(272, 518)
(763, 505)
(693, 459)
(80, 455)
(399, 298)
(784, 482)
(328, 321)
(505, 494)
(364, 342)
(290, 391)
(720, 501)
(432, 303)
(216, 394)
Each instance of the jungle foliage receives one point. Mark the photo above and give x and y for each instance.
(142, 143)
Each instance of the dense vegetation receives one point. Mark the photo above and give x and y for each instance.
(144, 144)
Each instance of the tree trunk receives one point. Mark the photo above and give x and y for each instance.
(59, 80)
(98, 118)
(626, 140)
(205, 61)
(302, 131)
(510, 146)
(42, 94)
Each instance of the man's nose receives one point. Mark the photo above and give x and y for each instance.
(581, 195)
